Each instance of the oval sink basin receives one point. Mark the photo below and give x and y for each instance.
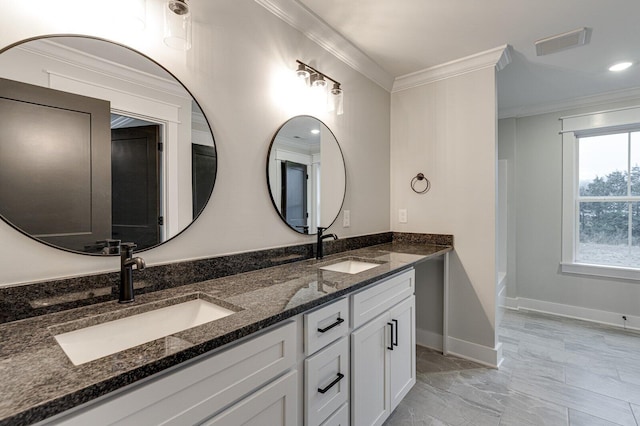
(350, 266)
(90, 343)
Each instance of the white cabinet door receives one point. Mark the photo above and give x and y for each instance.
(370, 403)
(274, 405)
(402, 359)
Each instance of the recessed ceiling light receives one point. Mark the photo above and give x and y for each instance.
(315, 131)
(620, 66)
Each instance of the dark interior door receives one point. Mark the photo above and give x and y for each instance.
(294, 194)
(135, 181)
(55, 173)
(203, 169)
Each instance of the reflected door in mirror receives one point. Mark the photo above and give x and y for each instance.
(55, 168)
(294, 187)
(135, 165)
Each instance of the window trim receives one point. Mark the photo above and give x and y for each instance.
(573, 127)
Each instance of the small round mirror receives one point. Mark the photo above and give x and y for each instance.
(306, 174)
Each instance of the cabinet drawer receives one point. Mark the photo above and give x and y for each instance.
(190, 394)
(326, 382)
(325, 325)
(339, 418)
(374, 300)
(273, 405)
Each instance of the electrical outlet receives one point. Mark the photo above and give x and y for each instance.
(346, 219)
(402, 216)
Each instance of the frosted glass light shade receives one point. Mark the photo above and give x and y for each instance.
(177, 24)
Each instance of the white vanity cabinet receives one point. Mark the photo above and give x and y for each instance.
(382, 349)
(234, 377)
(349, 361)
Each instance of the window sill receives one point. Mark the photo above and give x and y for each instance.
(601, 271)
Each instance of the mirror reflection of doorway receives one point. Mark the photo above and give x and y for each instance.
(135, 177)
(294, 187)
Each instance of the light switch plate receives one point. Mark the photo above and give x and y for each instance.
(346, 219)
(402, 215)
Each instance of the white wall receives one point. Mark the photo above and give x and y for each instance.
(447, 130)
(507, 152)
(534, 143)
(239, 70)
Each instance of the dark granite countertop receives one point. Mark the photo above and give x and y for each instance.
(39, 381)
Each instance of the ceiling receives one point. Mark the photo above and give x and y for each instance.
(411, 35)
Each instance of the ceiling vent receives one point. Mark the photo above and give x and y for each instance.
(564, 41)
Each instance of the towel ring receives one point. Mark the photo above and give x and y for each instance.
(418, 178)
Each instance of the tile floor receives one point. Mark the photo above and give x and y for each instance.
(556, 371)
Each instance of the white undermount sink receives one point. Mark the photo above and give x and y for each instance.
(90, 343)
(350, 266)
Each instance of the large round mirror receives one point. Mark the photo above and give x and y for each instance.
(98, 144)
(306, 174)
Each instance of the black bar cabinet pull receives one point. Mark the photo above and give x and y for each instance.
(390, 347)
(396, 322)
(335, 324)
(332, 384)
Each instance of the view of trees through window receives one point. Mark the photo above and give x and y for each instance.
(609, 199)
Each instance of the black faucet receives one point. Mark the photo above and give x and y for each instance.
(126, 271)
(319, 250)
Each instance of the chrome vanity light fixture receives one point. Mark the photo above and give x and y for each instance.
(336, 103)
(177, 24)
(318, 81)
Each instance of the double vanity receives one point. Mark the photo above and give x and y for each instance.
(315, 341)
(270, 337)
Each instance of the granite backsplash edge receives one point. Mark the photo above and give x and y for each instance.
(30, 300)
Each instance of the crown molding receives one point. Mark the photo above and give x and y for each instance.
(305, 21)
(581, 102)
(498, 57)
(98, 65)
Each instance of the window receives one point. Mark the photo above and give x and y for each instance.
(601, 194)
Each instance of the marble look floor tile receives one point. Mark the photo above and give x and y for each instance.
(578, 418)
(609, 408)
(426, 403)
(430, 361)
(636, 412)
(556, 371)
(522, 410)
(629, 373)
(604, 385)
(520, 363)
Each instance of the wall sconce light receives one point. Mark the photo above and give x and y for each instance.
(318, 81)
(177, 24)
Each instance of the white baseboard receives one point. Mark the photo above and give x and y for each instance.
(484, 355)
(429, 339)
(577, 312)
(491, 357)
(510, 303)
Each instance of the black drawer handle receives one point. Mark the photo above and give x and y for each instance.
(396, 341)
(335, 324)
(332, 384)
(390, 347)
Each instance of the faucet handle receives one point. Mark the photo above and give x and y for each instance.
(126, 249)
